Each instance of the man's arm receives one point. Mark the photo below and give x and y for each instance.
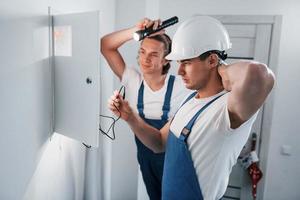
(110, 44)
(249, 84)
(151, 137)
(109, 48)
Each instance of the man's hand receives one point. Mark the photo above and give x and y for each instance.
(146, 23)
(119, 106)
(150, 136)
(225, 79)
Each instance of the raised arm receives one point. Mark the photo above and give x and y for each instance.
(249, 83)
(109, 48)
(110, 44)
(151, 137)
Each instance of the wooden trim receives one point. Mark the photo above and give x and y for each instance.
(268, 107)
(275, 21)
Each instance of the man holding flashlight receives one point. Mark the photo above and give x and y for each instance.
(206, 135)
(154, 94)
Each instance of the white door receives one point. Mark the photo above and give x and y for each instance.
(77, 76)
(251, 40)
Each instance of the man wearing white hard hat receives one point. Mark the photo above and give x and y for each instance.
(209, 130)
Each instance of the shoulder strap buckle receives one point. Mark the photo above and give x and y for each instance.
(185, 131)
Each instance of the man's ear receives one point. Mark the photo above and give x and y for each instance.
(213, 60)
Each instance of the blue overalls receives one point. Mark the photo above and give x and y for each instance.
(180, 179)
(152, 164)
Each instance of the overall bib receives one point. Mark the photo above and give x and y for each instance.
(180, 181)
(152, 164)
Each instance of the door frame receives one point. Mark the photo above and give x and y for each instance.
(275, 21)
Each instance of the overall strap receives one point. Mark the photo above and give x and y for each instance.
(167, 102)
(189, 97)
(186, 100)
(140, 103)
(187, 129)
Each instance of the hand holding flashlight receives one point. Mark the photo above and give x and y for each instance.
(153, 28)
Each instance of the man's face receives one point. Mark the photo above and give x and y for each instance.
(195, 73)
(151, 56)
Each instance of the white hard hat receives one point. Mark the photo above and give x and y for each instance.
(198, 35)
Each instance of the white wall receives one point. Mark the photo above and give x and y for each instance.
(281, 177)
(124, 163)
(33, 167)
(107, 20)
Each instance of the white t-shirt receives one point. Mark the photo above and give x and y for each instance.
(153, 100)
(214, 146)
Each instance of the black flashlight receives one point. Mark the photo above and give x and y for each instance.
(141, 34)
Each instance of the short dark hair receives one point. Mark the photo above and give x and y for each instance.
(166, 40)
(221, 54)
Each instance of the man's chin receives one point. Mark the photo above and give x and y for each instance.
(146, 70)
(188, 86)
(191, 87)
